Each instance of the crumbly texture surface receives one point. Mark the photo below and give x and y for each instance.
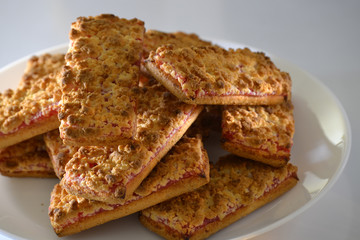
(213, 75)
(26, 159)
(60, 154)
(36, 98)
(41, 66)
(154, 39)
(263, 133)
(187, 160)
(235, 183)
(102, 67)
(111, 174)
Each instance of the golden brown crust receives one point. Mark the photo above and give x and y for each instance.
(236, 188)
(26, 159)
(184, 168)
(212, 75)
(41, 66)
(59, 153)
(102, 66)
(261, 133)
(154, 39)
(111, 174)
(31, 109)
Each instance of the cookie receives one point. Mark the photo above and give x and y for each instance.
(213, 75)
(26, 159)
(261, 133)
(32, 108)
(236, 188)
(102, 67)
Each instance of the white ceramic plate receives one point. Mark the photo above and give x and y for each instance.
(321, 148)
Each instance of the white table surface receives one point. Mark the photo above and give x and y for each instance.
(321, 37)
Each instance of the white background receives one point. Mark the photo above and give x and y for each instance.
(321, 37)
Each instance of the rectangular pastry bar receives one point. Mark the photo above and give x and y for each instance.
(236, 188)
(32, 108)
(102, 67)
(26, 159)
(183, 169)
(261, 133)
(213, 75)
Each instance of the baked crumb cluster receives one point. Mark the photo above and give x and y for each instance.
(131, 129)
(102, 173)
(154, 39)
(234, 183)
(214, 71)
(37, 95)
(102, 66)
(160, 115)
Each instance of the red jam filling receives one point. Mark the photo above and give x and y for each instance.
(230, 137)
(36, 118)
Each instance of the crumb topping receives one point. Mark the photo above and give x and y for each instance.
(105, 172)
(160, 114)
(234, 183)
(186, 158)
(154, 39)
(37, 95)
(270, 128)
(214, 71)
(102, 66)
(27, 156)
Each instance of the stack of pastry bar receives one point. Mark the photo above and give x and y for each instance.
(120, 120)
